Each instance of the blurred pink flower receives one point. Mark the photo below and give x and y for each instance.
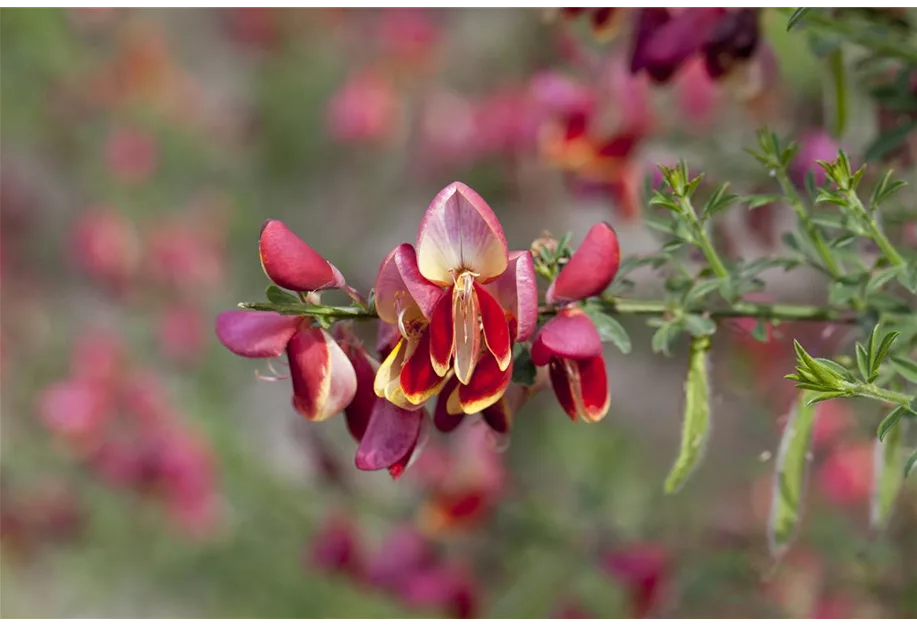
(183, 332)
(98, 356)
(75, 410)
(845, 477)
(402, 552)
(814, 145)
(832, 419)
(643, 569)
(131, 154)
(697, 95)
(105, 245)
(444, 587)
(364, 109)
(335, 548)
(408, 36)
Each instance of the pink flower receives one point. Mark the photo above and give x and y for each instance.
(105, 245)
(324, 381)
(468, 329)
(364, 109)
(845, 477)
(644, 571)
(335, 548)
(131, 155)
(182, 333)
(591, 268)
(814, 145)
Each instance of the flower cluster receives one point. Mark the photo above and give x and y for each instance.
(118, 422)
(452, 307)
(406, 566)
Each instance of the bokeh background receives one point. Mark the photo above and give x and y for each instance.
(146, 471)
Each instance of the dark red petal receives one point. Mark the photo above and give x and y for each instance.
(569, 335)
(390, 436)
(360, 409)
(324, 381)
(649, 21)
(419, 381)
(496, 330)
(291, 263)
(442, 419)
(591, 268)
(561, 384)
(498, 415)
(486, 385)
(256, 334)
(442, 334)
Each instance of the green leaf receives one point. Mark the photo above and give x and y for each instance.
(659, 223)
(863, 364)
(836, 367)
(663, 337)
(760, 200)
(699, 325)
(873, 344)
(610, 330)
(281, 297)
(907, 368)
(523, 367)
(882, 351)
(884, 190)
(887, 142)
(882, 277)
(824, 396)
(695, 430)
(797, 15)
(718, 201)
(907, 277)
(887, 478)
(790, 475)
(890, 421)
(910, 464)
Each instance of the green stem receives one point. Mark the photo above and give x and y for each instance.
(702, 240)
(872, 391)
(623, 306)
(821, 247)
(875, 231)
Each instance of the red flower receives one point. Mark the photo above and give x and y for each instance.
(591, 268)
(570, 345)
(644, 571)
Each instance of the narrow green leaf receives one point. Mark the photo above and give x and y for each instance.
(701, 289)
(797, 15)
(882, 277)
(863, 362)
(873, 344)
(281, 297)
(790, 475)
(838, 369)
(910, 464)
(887, 477)
(760, 200)
(824, 396)
(907, 277)
(695, 430)
(610, 330)
(881, 352)
(907, 368)
(890, 421)
(523, 367)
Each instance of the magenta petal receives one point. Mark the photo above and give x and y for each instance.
(324, 381)
(291, 263)
(256, 334)
(401, 287)
(460, 232)
(569, 335)
(517, 292)
(591, 268)
(391, 434)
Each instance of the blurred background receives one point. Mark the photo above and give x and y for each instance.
(146, 471)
